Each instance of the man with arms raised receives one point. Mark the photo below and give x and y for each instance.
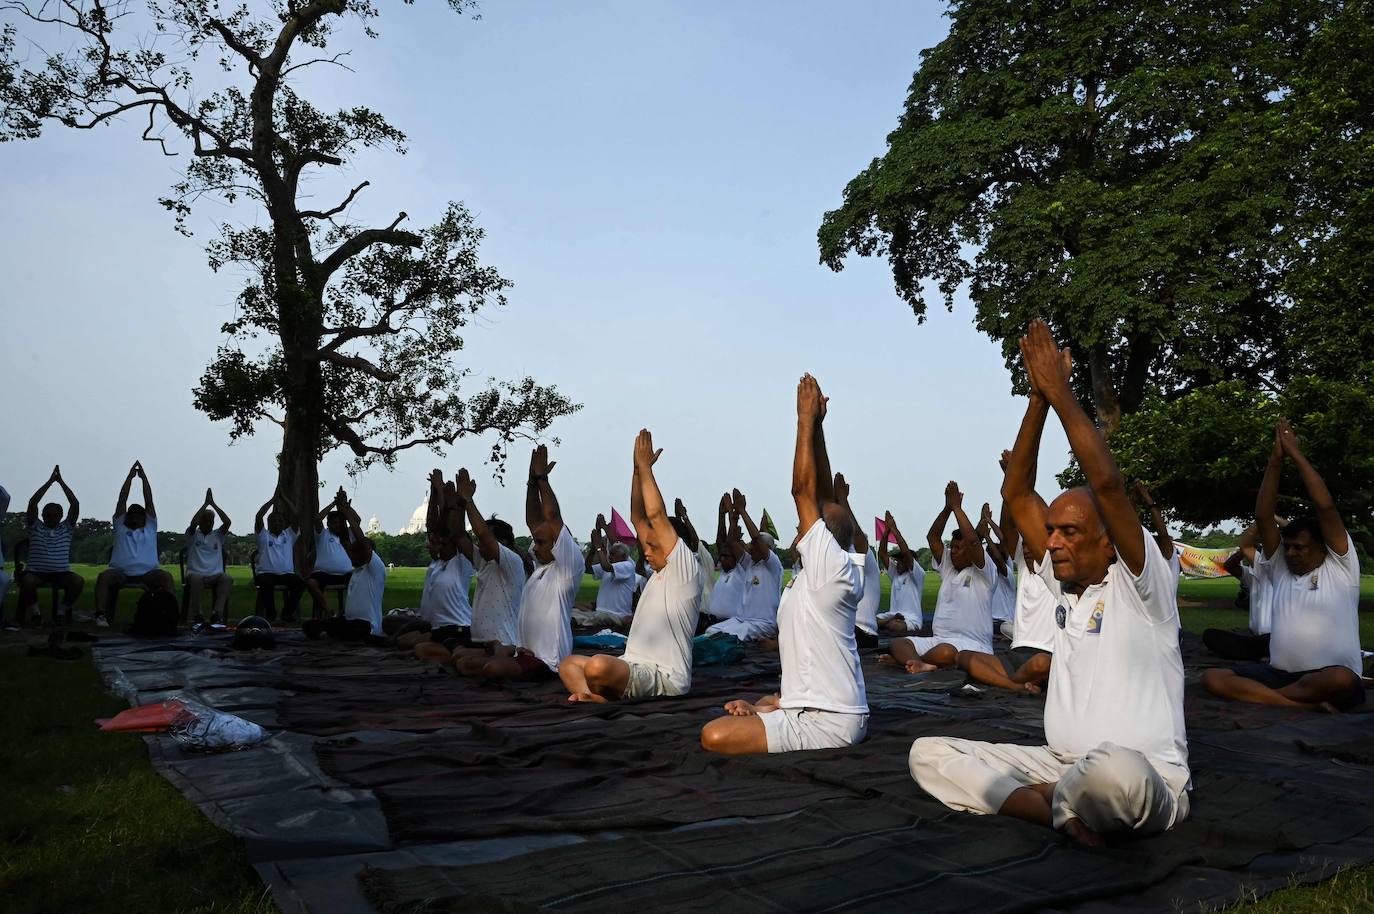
(757, 618)
(866, 621)
(682, 522)
(610, 562)
(545, 618)
(276, 563)
(205, 560)
(908, 582)
(1116, 757)
(1314, 647)
(822, 704)
(658, 655)
(332, 565)
(963, 609)
(727, 593)
(50, 550)
(134, 558)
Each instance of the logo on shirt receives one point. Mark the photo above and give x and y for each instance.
(1095, 620)
(1061, 615)
(755, 582)
(1312, 582)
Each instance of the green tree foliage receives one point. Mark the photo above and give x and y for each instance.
(345, 334)
(1108, 166)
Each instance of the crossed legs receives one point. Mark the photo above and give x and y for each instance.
(902, 652)
(1030, 676)
(599, 678)
(1332, 688)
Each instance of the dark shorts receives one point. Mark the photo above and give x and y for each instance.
(460, 635)
(1018, 657)
(532, 669)
(330, 580)
(55, 578)
(864, 639)
(1275, 678)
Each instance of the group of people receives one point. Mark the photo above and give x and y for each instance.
(337, 553)
(1090, 598)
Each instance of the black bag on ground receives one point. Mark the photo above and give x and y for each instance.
(156, 616)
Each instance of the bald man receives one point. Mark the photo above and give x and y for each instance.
(757, 618)
(610, 562)
(658, 655)
(822, 703)
(1116, 755)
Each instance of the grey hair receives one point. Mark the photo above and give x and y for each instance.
(767, 539)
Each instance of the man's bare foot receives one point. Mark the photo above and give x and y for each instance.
(588, 696)
(888, 660)
(920, 666)
(1084, 835)
(741, 708)
(1031, 688)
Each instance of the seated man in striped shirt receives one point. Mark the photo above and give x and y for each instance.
(50, 550)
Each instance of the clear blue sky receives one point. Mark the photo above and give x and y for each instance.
(651, 176)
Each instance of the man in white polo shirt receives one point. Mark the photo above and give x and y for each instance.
(134, 559)
(276, 562)
(683, 523)
(963, 609)
(822, 704)
(205, 560)
(866, 620)
(366, 583)
(1116, 757)
(727, 593)
(613, 567)
(757, 618)
(545, 619)
(1314, 647)
(50, 551)
(332, 565)
(658, 655)
(1257, 596)
(908, 582)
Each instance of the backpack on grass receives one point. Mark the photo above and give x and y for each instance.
(156, 616)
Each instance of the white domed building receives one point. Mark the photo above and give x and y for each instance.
(419, 521)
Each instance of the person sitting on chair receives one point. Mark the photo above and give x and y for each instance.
(134, 559)
(332, 566)
(276, 559)
(50, 551)
(205, 560)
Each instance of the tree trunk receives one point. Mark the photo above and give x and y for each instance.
(1105, 401)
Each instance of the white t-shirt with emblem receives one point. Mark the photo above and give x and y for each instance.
(1003, 593)
(867, 619)
(820, 659)
(661, 634)
(205, 552)
(365, 589)
(444, 600)
(330, 555)
(1035, 604)
(1117, 674)
(762, 588)
(963, 609)
(727, 596)
(1261, 600)
(615, 593)
(496, 598)
(135, 551)
(907, 590)
(276, 553)
(546, 603)
(1315, 615)
(708, 575)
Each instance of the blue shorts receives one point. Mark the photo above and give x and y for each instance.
(1276, 678)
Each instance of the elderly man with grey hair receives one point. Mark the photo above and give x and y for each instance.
(762, 574)
(611, 563)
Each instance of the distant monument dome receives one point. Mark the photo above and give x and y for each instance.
(419, 521)
(374, 525)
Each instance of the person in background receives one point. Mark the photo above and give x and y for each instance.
(134, 558)
(50, 551)
(205, 560)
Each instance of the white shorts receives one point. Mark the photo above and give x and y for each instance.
(959, 644)
(794, 729)
(648, 680)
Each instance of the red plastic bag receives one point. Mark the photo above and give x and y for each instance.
(153, 718)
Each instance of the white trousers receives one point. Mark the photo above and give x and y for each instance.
(745, 629)
(1110, 789)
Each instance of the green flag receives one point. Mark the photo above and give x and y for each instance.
(767, 526)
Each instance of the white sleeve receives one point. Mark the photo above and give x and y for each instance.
(1348, 564)
(624, 571)
(566, 553)
(821, 556)
(1154, 584)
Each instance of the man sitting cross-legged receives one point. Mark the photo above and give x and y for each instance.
(1002, 603)
(444, 604)
(1314, 647)
(366, 582)
(822, 703)
(658, 655)
(1256, 595)
(1116, 757)
(545, 620)
(205, 560)
(757, 618)
(610, 562)
(1027, 666)
(50, 552)
(727, 593)
(704, 558)
(134, 558)
(963, 610)
(866, 622)
(908, 582)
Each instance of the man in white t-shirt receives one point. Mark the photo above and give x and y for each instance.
(1256, 595)
(1003, 601)
(908, 582)
(727, 593)
(963, 609)
(276, 559)
(134, 559)
(613, 567)
(866, 621)
(1116, 757)
(205, 560)
(757, 618)
(545, 618)
(658, 654)
(50, 550)
(1314, 647)
(822, 703)
(683, 522)
(331, 566)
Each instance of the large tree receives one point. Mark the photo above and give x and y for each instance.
(361, 323)
(1106, 165)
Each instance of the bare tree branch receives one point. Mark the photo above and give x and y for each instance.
(248, 53)
(358, 363)
(364, 240)
(325, 214)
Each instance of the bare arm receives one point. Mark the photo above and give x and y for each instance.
(659, 532)
(147, 493)
(680, 512)
(1328, 515)
(548, 501)
(841, 489)
(902, 547)
(1049, 370)
(1162, 537)
(486, 540)
(31, 513)
(1018, 483)
(743, 515)
(262, 513)
(955, 502)
(534, 505)
(722, 530)
(805, 485)
(935, 535)
(123, 504)
(1267, 499)
(224, 521)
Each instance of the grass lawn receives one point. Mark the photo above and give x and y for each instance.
(87, 825)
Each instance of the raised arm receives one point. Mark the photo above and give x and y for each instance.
(992, 535)
(224, 521)
(737, 499)
(680, 512)
(1049, 371)
(954, 500)
(1267, 499)
(147, 491)
(722, 527)
(540, 468)
(1328, 515)
(841, 489)
(935, 536)
(487, 543)
(805, 484)
(658, 532)
(122, 505)
(31, 513)
(195, 518)
(1019, 498)
(1162, 537)
(262, 513)
(896, 532)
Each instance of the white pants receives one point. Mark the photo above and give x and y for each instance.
(745, 629)
(793, 729)
(959, 644)
(1110, 789)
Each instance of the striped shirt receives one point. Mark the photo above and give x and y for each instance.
(50, 548)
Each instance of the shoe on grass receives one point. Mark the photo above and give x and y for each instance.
(102, 622)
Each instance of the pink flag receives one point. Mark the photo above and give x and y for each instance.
(622, 531)
(879, 530)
